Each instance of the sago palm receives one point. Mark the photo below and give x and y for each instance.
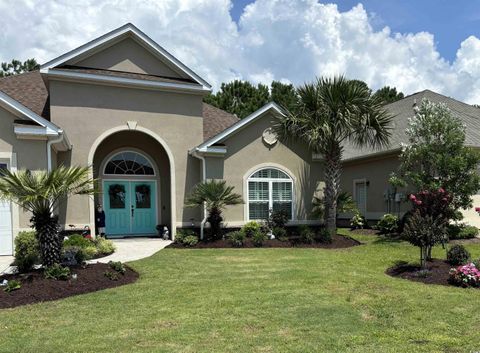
(40, 193)
(216, 195)
(330, 113)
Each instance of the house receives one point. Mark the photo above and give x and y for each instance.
(127, 108)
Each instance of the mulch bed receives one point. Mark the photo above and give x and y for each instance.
(365, 231)
(339, 242)
(438, 272)
(35, 288)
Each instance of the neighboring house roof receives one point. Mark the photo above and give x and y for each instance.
(402, 110)
(216, 120)
(29, 89)
(127, 30)
(233, 129)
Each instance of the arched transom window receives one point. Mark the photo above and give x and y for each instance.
(129, 163)
(269, 189)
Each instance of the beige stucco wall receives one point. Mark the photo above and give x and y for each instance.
(86, 111)
(376, 172)
(30, 154)
(127, 55)
(246, 152)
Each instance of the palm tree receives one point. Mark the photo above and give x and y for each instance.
(345, 204)
(40, 192)
(215, 195)
(330, 113)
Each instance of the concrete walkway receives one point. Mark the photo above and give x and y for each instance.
(131, 249)
(5, 262)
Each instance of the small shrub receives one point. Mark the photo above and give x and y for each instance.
(113, 276)
(73, 255)
(90, 252)
(324, 236)
(457, 255)
(117, 266)
(104, 246)
(388, 224)
(259, 238)
(182, 234)
(12, 285)
(250, 228)
(190, 240)
(283, 239)
(279, 232)
(465, 276)
(358, 221)
(26, 251)
(277, 219)
(57, 272)
(462, 231)
(237, 238)
(307, 236)
(78, 240)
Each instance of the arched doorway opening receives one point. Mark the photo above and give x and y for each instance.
(134, 176)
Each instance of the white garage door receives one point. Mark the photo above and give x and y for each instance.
(6, 238)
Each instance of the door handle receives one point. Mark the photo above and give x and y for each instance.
(133, 210)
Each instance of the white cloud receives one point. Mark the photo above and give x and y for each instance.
(275, 39)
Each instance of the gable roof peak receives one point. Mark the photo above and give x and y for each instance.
(110, 38)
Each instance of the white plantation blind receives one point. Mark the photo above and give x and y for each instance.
(361, 196)
(269, 189)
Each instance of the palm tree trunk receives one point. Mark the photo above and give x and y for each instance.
(47, 229)
(332, 187)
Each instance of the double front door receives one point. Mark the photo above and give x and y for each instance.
(130, 207)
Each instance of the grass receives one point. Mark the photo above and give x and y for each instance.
(258, 300)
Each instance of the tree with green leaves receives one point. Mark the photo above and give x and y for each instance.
(388, 94)
(40, 193)
(239, 97)
(330, 112)
(435, 155)
(215, 195)
(243, 98)
(16, 67)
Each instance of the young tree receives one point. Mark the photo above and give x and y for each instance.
(436, 156)
(40, 192)
(329, 113)
(216, 195)
(388, 94)
(284, 95)
(16, 67)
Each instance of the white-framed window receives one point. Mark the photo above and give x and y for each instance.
(269, 189)
(129, 163)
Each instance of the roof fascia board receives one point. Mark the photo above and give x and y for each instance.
(128, 82)
(14, 106)
(272, 106)
(127, 29)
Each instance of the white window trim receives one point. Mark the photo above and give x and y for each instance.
(10, 158)
(360, 181)
(122, 150)
(248, 177)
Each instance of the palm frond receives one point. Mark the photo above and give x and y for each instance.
(215, 193)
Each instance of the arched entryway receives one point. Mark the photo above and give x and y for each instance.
(135, 181)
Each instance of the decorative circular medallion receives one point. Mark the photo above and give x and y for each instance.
(269, 136)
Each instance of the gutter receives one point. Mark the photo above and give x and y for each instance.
(195, 154)
(49, 149)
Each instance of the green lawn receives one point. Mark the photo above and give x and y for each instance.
(257, 300)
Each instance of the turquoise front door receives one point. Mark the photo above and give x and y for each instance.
(130, 207)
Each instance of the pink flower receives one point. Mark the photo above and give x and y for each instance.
(477, 209)
(412, 197)
(441, 190)
(418, 202)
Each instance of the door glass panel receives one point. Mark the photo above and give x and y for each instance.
(3, 166)
(116, 193)
(142, 196)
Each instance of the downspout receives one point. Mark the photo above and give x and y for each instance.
(49, 149)
(204, 177)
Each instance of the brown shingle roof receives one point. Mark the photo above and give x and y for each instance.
(215, 120)
(29, 90)
(123, 74)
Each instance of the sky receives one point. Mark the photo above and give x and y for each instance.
(410, 44)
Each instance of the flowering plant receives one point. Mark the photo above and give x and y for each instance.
(435, 203)
(465, 276)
